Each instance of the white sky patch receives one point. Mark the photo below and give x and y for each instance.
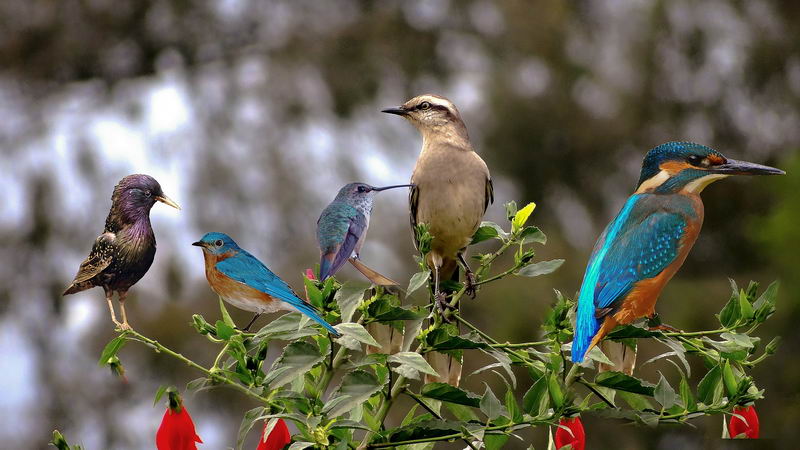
(17, 369)
(167, 109)
(120, 141)
(82, 312)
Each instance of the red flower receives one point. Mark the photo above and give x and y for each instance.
(748, 426)
(573, 434)
(310, 275)
(177, 429)
(278, 437)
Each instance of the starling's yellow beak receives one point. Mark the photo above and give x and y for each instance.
(167, 201)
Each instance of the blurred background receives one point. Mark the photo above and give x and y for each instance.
(251, 114)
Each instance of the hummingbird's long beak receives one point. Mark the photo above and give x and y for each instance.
(734, 167)
(392, 187)
(400, 111)
(167, 201)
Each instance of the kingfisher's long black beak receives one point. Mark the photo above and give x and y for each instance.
(199, 244)
(167, 201)
(400, 111)
(392, 187)
(734, 167)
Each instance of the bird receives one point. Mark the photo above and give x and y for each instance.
(452, 190)
(242, 280)
(342, 228)
(123, 253)
(648, 241)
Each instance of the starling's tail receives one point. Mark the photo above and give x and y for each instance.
(74, 288)
(372, 275)
(310, 311)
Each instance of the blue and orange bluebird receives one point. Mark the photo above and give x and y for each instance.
(242, 280)
(648, 241)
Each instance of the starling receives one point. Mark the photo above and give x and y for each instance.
(123, 253)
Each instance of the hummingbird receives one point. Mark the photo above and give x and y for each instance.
(342, 229)
(124, 252)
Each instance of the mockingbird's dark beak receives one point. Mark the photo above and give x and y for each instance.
(400, 111)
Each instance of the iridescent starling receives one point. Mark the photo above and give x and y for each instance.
(124, 252)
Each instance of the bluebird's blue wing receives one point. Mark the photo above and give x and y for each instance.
(348, 225)
(639, 244)
(246, 268)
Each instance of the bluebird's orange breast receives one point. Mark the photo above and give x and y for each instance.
(236, 293)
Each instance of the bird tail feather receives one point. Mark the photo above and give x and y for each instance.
(325, 266)
(586, 327)
(310, 311)
(622, 357)
(74, 288)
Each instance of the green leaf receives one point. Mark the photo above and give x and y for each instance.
(160, 393)
(484, 233)
(249, 419)
(512, 407)
(521, 217)
(461, 412)
(287, 327)
(495, 441)
(111, 350)
(352, 334)
(554, 388)
(224, 331)
(730, 314)
(490, 405)
(686, 395)
(348, 297)
(356, 388)
(745, 307)
(709, 384)
(424, 430)
(765, 305)
(313, 292)
(297, 359)
(631, 331)
(729, 379)
(410, 363)
(511, 210)
(635, 401)
(536, 400)
(664, 394)
(441, 340)
(417, 281)
(225, 316)
(451, 394)
(531, 235)
(383, 311)
(623, 382)
(540, 268)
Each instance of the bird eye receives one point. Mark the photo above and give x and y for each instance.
(362, 189)
(147, 194)
(694, 160)
(218, 242)
(424, 105)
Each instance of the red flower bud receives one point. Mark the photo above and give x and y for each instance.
(748, 426)
(278, 437)
(573, 434)
(177, 429)
(310, 274)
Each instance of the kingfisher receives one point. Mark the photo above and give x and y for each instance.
(123, 253)
(242, 280)
(648, 241)
(342, 229)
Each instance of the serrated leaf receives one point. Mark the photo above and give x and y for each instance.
(111, 350)
(410, 363)
(484, 233)
(287, 328)
(490, 405)
(521, 217)
(664, 394)
(297, 359)
(451, 394)
(417, 281)
(356, 388)
(352, 334)
(540, 268)
(348, 297)
(623, 382)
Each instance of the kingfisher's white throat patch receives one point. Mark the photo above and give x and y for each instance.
(697, 186)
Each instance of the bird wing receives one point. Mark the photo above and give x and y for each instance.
(489, 194)
(413, 203)
(98, 260)
(338, 233)
(642, 249)
(246, 268)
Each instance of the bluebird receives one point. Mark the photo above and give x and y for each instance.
(124, 252)
(648, 241)
(242, 280)
(342, 226)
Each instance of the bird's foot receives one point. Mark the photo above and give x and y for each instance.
(665, 327)
(444, 306)
(471, 284)
(122, 326)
